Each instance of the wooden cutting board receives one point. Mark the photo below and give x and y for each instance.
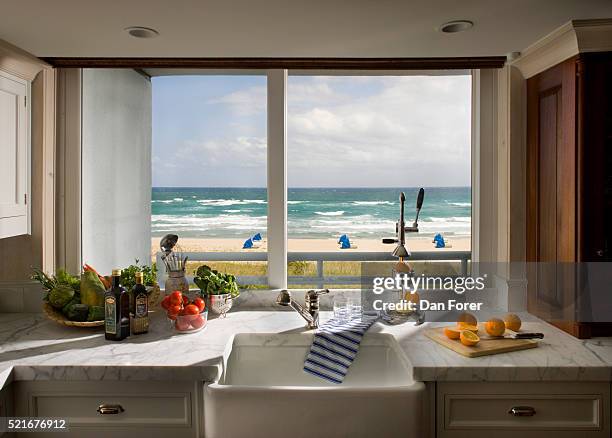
(486, 346)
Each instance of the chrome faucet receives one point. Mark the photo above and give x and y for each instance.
(401, 229)
(400, 251)
(310, 312)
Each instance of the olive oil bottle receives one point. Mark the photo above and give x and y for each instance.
(140, 316)
(116, 310)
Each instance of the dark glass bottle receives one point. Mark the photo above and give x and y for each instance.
(140, 316)
(116, 310)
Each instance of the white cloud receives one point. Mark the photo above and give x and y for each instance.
(247, 102)
(414, 130)
(241, 152)
(345, 131)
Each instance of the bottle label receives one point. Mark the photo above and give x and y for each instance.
(141, 307)
(110, 313)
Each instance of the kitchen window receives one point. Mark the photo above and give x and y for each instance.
(269, 163)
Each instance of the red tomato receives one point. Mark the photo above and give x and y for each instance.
(166, 302)
(185, 300)
(192, 309)
(173, 311)
(182, 325)
(200, 303)
(197, 321)
(176, 298)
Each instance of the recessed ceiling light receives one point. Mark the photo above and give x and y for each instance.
(456, 26)
(141, 32)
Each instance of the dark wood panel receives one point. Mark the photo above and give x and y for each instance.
(548, 133)
(286, 63)
(551, 203)
(569, 191)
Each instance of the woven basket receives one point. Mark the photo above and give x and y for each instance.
(56, 316)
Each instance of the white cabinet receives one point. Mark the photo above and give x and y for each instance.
(115, 408)
(528, 410)
(14, 155)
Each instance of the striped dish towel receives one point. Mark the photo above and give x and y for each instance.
(335, 346)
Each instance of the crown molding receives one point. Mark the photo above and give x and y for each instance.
(574, 37)
(19, 62)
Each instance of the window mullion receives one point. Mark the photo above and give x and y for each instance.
(277, 179)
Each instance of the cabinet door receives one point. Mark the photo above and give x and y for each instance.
(551, 193)
(14, 156)
(523, 409)
(114, 408)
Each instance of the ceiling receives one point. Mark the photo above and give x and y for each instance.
(284, 28)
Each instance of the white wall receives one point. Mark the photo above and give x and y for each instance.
(116, 168)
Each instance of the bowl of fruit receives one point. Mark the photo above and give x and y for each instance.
(185, 315)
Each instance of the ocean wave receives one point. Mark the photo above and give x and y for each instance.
(232, 211)
(229, 202)
(330, 213)
(200, 223)
(466, 219)
(296, 202)
(460, 204)
(178, 199)
(373, 203)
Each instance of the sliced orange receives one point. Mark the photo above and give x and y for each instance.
(469, 338)
(513, 322)
(495, 327)
(466, 326)
(452, 333)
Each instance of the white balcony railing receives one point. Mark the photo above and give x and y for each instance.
(319, 257)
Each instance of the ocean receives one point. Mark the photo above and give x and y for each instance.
(312, 212)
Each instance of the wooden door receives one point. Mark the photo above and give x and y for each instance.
(551, 193)
(14, 159)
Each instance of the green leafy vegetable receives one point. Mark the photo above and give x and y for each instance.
(213, 282)
(61, 277)
(128, 275)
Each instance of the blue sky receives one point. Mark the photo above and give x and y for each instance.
(376, 131)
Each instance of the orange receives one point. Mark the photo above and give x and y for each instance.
(466, 326)
(412, 297)
(467, 318)
(452, 333)
(469, 338)
(513, 322)
(495, 327)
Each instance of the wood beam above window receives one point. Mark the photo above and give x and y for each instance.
(286, 63)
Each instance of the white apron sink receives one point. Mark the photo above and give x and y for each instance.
(264, 392)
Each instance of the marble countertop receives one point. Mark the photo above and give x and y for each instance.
(35, 348)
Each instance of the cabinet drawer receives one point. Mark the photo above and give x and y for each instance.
(82, 409)
(538, 409)
(157, 408)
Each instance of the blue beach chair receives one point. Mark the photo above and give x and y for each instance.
(439, 241)
(256, 237)
(248, 244)
(344, 242)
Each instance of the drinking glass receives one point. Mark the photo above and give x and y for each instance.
(346, 309)
(341, 309)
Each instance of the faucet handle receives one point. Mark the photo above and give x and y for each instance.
(314, 294)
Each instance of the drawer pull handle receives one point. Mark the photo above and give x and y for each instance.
(522, 411)
(110, 409)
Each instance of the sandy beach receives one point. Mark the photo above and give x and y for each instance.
(312, 245)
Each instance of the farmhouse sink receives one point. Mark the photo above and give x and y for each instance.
(264, 392)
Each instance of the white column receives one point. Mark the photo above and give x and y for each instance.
(277, 179)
